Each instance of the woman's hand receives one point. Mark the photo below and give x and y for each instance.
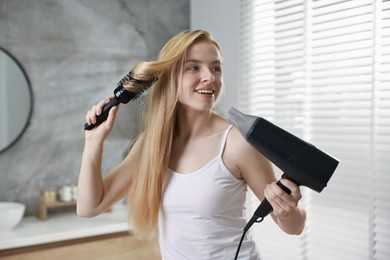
(286, 213)
(282, 202)
(100, 133)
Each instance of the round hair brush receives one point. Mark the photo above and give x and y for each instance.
(130, 87)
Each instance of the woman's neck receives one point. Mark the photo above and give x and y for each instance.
(191, 123)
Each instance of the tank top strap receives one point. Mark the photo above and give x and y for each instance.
(224, 138)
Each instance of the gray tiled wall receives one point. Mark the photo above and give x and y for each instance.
(74, 52)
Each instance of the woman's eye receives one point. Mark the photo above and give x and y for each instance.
(217, 69)
(193, 68)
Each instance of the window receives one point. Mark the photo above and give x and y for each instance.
(321, 70)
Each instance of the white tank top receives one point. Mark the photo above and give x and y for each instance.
(202, 215)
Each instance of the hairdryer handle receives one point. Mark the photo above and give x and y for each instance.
(264, 209)
(104, 115)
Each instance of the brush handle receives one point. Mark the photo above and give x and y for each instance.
(104, 115)
(265, 208)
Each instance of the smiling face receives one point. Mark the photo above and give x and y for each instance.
(201, 78)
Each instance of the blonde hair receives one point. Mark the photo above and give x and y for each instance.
(152, 148)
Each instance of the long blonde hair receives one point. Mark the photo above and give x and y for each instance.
(152, 148)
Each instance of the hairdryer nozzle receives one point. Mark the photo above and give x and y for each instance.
(242, 122)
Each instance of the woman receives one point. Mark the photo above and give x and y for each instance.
(188, 171)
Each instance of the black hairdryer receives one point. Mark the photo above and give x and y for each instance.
(300, 161)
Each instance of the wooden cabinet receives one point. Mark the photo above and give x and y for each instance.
(114, 247)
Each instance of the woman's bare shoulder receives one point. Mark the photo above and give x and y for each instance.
(236, 152)
(243, 158)
(237, 144)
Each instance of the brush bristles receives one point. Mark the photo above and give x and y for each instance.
(137, 83)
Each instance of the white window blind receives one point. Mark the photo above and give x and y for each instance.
(381, 134)
(321, 70)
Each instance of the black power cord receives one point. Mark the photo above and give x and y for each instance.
(260, 213)
(243, 235)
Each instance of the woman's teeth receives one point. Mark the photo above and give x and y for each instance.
(204, 91)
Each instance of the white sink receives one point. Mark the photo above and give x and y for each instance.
(11, 213)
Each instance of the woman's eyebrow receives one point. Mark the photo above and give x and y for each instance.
(193, 61)
(198, 61)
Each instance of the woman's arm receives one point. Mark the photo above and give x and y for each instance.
(249, 164)
(90, 185)
(95, 195)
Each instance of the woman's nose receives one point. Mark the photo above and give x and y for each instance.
(208, 75)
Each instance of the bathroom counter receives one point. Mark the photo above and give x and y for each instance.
(62, 227)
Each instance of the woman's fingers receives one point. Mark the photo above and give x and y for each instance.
(295, 190)
(277, 197)
(90, 118)
(96, 110)
(100, 106)
(281, 201)
(111, 116)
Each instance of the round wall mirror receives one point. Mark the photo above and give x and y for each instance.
(16, 100)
